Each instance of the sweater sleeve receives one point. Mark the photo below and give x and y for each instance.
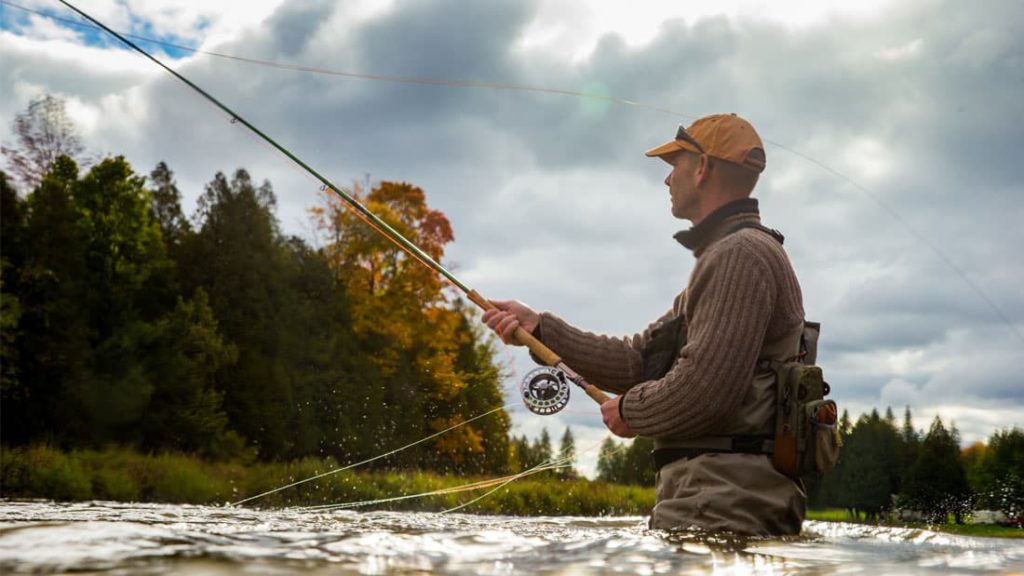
(731, 301)
(611, 363)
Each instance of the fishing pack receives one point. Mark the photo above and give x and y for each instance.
(806, 424)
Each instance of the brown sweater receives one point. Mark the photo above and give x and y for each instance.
(741, 294)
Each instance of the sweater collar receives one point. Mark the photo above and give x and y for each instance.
(700, 236)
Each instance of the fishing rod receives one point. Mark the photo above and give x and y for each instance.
(545, 390)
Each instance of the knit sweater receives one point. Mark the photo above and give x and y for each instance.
(741, 295)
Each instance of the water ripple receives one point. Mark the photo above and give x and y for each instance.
(114, 538)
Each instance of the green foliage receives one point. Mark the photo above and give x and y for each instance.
(998, 476)
(870, 471)
(936, 483)
(114, 473)
(626, 463)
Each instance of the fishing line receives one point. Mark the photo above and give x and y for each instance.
(442, 491)
(573, 93)
(368, 460)
(503, 484)
(550, 464)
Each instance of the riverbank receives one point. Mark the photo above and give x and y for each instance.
(123, 475)
(979, 530)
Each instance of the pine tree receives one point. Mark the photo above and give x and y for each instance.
(542, 447)
(936, 484)
(567, 451)
(166, 207)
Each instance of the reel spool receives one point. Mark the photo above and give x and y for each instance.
(545, 390)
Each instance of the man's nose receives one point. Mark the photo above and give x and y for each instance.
(668, 179)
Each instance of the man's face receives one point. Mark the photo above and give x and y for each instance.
(681, 184)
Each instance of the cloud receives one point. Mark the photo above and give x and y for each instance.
(552, 201)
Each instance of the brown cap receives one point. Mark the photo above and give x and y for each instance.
(725, 136)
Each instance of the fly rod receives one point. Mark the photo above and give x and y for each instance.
(544, 390)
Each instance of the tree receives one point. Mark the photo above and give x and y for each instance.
(542, 446)
(626, 464)
(998, 476)
(53, 347)
(185, 411)
(12, 223)
(870, 471)
(43, 133)
(567, 451)
(238, 258)
(609, 460)
(166, 207)
(435, 369)
(936, 484)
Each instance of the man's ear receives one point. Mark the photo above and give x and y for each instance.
(703, 171)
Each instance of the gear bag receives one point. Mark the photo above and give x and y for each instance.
(806, 432)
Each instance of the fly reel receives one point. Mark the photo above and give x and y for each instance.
(545, 390)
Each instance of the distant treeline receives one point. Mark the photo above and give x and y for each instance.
(884, 466)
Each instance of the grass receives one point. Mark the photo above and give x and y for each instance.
(123, 475)
(978, 530)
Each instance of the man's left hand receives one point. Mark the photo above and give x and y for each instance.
(614, 421)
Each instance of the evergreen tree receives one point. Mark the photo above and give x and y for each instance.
(869, 475)
(12, 223)
(998, 476)
(237, 258)
(542, 447)
(567, 451)
(936, 484)
(609, 460)
(185, 411)
(166, 207)
(53, 348)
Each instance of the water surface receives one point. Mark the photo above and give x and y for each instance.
(115, 538)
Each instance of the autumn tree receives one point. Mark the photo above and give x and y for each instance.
(436, 370)
(43, 133)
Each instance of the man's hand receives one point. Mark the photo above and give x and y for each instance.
(612, 419)
(507, 315)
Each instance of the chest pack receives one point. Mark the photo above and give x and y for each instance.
(806, 435)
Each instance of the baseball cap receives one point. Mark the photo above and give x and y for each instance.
(725, 136)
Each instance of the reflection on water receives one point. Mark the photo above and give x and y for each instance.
(114, 538)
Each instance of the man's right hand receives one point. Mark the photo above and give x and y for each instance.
(507, 315)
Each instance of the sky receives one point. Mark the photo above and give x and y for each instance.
(893, 135)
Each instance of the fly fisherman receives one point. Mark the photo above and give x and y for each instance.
(698, 380)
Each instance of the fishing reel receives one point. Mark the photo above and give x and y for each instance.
(545, 390)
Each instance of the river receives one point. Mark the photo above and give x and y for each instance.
(116, 538)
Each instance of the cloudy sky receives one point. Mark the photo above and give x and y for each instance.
(893, 132)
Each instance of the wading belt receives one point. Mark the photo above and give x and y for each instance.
(736, 444)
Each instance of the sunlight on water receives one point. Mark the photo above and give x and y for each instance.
(112, 538)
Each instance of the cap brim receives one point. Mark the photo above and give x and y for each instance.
(670, 147)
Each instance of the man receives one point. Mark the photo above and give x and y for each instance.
(698, 379)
